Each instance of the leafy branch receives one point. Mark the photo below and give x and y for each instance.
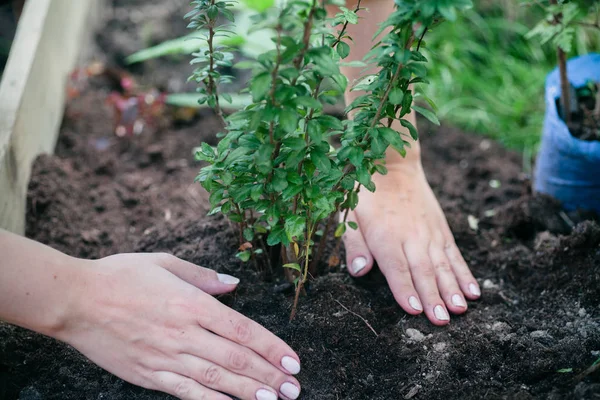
(276, 163)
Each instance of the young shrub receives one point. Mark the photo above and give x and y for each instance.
(559, 26)
(275, 172)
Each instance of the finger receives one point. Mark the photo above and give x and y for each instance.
(232, 325)
(218, 378)
(204, 279)
(358, 256)
(394, 266)
(466, 280)
(184, 388)
(446, 280)
(241, 361)
(424, 279)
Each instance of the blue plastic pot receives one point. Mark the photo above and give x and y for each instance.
(567, 168)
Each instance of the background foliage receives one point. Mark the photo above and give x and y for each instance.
(487, 77)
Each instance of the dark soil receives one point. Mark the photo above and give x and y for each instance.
(539, 269)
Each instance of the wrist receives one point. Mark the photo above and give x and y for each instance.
(66, 305)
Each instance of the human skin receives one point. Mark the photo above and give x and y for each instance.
(150, 319)
(401, 225)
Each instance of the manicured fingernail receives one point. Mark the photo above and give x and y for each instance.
(228, 279)
(458, 301)
(474, 289)
(415, 303)
(264, 394)
(290, 390)
(358, 264)
(441, 314)
(290, 365)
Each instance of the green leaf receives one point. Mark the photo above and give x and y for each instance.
(321, 161)
(392, 137)
(276, 236)
(308, 102)
(356, 156)
(381, 169)
(352, 200)
(340, 230)
(259, 5)
(294, 226)
(293, 266)
(565, 370)
(244, 255)
(343, 49)
(396, 96)
(294, 143)
(259, 86)
(288, 119)
(263, 158)
(364, 178)
(353, 225)
(411, 128)
(427, 114)
(248, 234)
(280, 180)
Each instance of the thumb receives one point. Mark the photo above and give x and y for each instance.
(358, 256)
(204, 279)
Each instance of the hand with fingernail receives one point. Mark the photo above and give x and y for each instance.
(159, 327)
(401, 225)
(150, 319)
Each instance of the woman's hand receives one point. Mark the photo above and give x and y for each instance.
(151, 320)
(403, 228)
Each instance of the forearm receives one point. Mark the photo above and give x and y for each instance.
(362, 42)
(38, 285)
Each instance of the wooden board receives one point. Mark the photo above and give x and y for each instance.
(47, 44)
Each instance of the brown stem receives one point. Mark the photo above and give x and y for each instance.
(565, 88)
(320, 249)
(304, 274)
(305, 40)
(345, 26)
(565, 101)
(212, 86)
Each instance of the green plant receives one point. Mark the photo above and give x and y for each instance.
(275, 172)
(488, 78)
(562, 19)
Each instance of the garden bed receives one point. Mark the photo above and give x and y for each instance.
(539, 312)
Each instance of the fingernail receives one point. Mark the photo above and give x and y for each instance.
(441, 314)
(290, 390)
(228, 279)
(358, 264)
(458, 301)
(264, 394)
(474, 289)
(415, 303)
(290, 365)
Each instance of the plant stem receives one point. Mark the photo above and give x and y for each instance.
(304, 274)
(345, 26)
(565, 88)
(212, 86)
(317, 257)
(565, 101)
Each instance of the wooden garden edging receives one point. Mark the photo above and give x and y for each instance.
(47, 44)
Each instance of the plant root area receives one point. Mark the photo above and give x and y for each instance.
(533, 335)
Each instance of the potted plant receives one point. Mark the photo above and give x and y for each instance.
(569, 156)
(275, 172)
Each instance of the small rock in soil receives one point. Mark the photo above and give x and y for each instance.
(440, 347)
(415, 335)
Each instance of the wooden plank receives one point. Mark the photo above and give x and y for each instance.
(32, 93)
